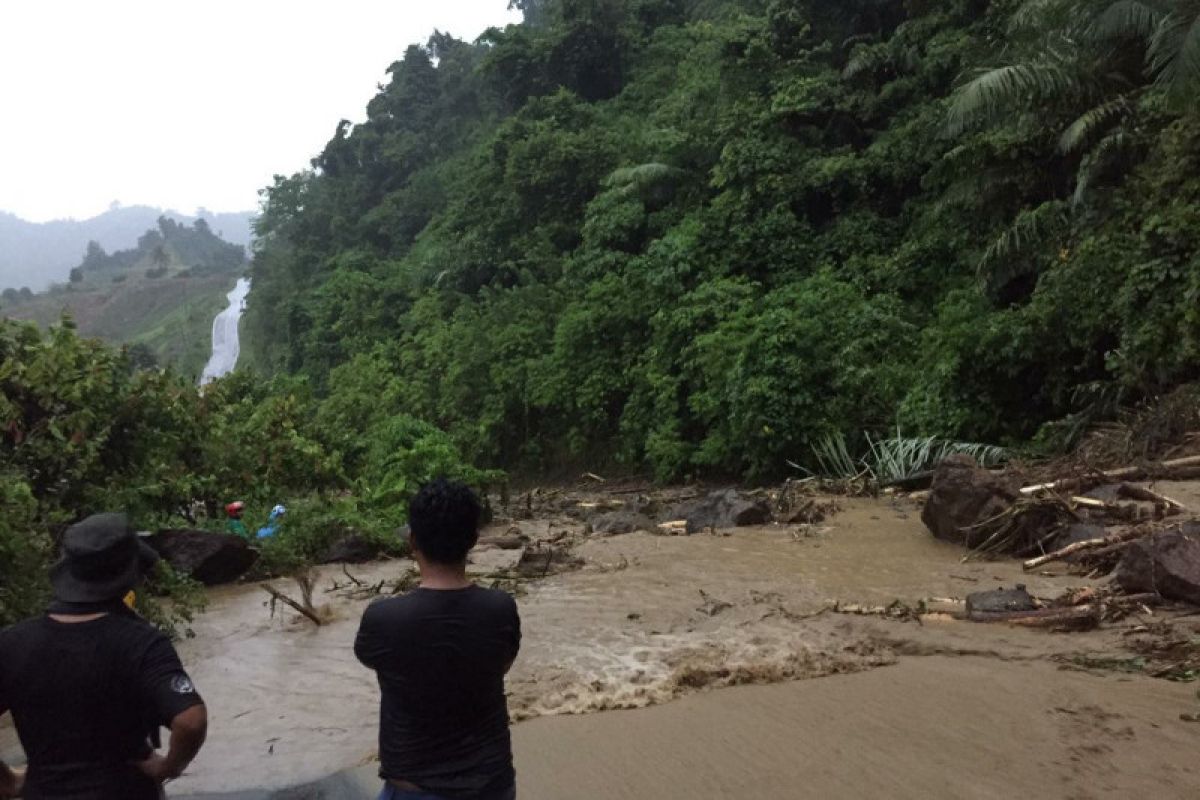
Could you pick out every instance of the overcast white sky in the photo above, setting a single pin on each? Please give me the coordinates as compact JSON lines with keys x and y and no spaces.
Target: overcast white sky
{"x":184,"y":104}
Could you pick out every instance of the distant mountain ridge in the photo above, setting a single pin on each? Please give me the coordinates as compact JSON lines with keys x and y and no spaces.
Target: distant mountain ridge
{"x":37,"y":254}
{"x":159,"y":297}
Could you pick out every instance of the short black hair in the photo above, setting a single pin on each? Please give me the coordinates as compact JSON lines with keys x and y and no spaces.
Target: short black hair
{"x":444,"y":519}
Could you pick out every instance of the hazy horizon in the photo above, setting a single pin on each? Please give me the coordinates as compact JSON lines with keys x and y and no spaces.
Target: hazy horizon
{"x":187,"y":106}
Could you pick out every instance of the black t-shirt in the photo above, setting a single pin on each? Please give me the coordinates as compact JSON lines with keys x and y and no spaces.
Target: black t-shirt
{"x":441,"y":657}
{"x":87,"y":697}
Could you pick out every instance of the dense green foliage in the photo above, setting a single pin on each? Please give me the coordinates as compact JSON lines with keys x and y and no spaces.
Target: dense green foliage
{"x":83,"y":430}
{"x":704,"y":234}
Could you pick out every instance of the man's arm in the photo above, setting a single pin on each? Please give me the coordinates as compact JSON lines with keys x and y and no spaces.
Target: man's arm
{"x":515,"y":635}
{"x":12,"y":781}
{"x":171,"y":700}
{"x":188,"y":731}
{"x":369,"y":647}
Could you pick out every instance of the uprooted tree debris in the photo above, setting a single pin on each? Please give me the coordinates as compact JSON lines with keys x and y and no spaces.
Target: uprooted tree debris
{"x":1097,"y":523}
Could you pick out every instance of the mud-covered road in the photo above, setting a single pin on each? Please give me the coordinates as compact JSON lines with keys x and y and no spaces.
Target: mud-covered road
{"x":656,"y":623}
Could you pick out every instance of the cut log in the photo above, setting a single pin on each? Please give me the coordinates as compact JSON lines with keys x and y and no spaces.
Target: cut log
{"x":1094,"y":504}
{"x":1042,"y":618}
{"x":287,"y":601}
{"x":1179,"y":467}
{"x":1132,"y":492}
{"x":1089,"y":544}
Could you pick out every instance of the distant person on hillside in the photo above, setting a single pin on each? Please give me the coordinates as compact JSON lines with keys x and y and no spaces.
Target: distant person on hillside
{"x":89,"y":683}
{"x":273,"y":522}
{"x":234,"y":524}
{"x":441,"y":653}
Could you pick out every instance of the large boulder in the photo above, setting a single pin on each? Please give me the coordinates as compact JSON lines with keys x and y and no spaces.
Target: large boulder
{"x":963,"y":497}
{"x":209,"y":557}
{"x":353,"y":548}
{"x":726,"y":508}
{"x":1167,"y":562}
{"x":614,"y":523}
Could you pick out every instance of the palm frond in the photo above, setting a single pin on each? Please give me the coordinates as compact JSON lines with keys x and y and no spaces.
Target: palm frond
{"x":996,"y":89}
{"x":1172,"y":50}
{"x":1038,"y":15}
{"x":1030,"y":227}
{"x":865,"y":59}
{"x":1126,"y":19}
{"x":1097,"y":162}
{"x":1187,"y":63}
{"x":1092,"y":122}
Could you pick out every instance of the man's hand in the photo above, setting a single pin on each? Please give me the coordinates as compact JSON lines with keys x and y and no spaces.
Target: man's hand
{"x":157,"y":768}
{"x":12,"y":781}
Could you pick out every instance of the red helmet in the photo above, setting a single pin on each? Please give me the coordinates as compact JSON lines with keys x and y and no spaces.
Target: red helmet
{"x":235,"y":508}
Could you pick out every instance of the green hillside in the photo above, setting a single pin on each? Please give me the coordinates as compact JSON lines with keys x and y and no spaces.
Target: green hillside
{"x":159,"y":297}
{"x":701,"y":235}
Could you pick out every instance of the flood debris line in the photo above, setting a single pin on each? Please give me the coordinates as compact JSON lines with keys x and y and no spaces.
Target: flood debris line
{"x":354,"y":589}
{"x":1176,"y":469}
{"x":1096,"y":524}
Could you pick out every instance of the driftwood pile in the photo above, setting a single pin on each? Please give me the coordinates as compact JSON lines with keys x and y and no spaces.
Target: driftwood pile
{"x":1097,"y":523}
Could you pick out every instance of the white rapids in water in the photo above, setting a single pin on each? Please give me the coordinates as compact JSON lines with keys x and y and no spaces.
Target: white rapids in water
{"x":225,"y":344}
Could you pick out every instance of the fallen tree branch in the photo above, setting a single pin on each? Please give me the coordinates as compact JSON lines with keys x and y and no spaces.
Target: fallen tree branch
{"x":1088,"y":544}
{"x":1112,"y":476}
{"x":277,"y":595}
{"x":1043,"y":617}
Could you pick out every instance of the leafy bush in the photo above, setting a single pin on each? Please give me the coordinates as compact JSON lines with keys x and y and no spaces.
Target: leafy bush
{"x":25,"y":550}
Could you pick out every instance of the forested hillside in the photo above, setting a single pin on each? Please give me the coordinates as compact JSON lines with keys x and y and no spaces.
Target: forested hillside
{"x":701,"y":234}
{"x":159,"y":297}
{"x":35,"y":255}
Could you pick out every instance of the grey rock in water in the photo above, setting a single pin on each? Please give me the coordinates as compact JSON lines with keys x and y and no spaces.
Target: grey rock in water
{"x":614,"y":523}
{"x":352,"y":548}
{"x":1000,"y":600}
{"x":727,"y":508}
{"x":209,"y":557}
{"x":1167,"y":563}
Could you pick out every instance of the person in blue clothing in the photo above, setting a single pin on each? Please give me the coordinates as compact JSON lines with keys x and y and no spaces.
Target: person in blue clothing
{"x":268,"y":530}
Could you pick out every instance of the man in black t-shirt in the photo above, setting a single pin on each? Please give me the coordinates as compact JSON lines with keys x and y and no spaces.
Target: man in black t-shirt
{"x":90,"y":682}
{"x":440,"y":653}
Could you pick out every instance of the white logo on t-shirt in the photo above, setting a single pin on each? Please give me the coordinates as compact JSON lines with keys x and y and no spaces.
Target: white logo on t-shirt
{"x":182,"y":684}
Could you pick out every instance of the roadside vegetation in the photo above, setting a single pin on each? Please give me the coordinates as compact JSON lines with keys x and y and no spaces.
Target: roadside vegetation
{"x":84,"y":430}
{"x":691,"y":238}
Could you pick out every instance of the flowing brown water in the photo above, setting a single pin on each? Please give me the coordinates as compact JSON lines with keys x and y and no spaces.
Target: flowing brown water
{"x":646,"y":620}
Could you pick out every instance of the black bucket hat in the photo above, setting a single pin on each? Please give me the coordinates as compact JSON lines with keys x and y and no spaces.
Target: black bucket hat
{"x":102,"y":560}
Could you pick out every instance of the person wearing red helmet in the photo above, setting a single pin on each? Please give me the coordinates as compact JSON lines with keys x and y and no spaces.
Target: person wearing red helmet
{"x":234,"y":524}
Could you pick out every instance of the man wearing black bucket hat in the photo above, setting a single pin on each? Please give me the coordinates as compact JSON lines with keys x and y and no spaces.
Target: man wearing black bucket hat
{"x":89,"y":683}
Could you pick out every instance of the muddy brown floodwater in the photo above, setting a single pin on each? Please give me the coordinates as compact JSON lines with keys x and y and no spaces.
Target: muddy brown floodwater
{"x":940,"y":709}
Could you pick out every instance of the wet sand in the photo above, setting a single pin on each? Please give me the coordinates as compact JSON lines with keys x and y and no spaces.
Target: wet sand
{"x":935,"y":727}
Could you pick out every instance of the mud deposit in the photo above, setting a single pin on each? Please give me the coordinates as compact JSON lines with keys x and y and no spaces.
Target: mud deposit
{"x":989,"y":711}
